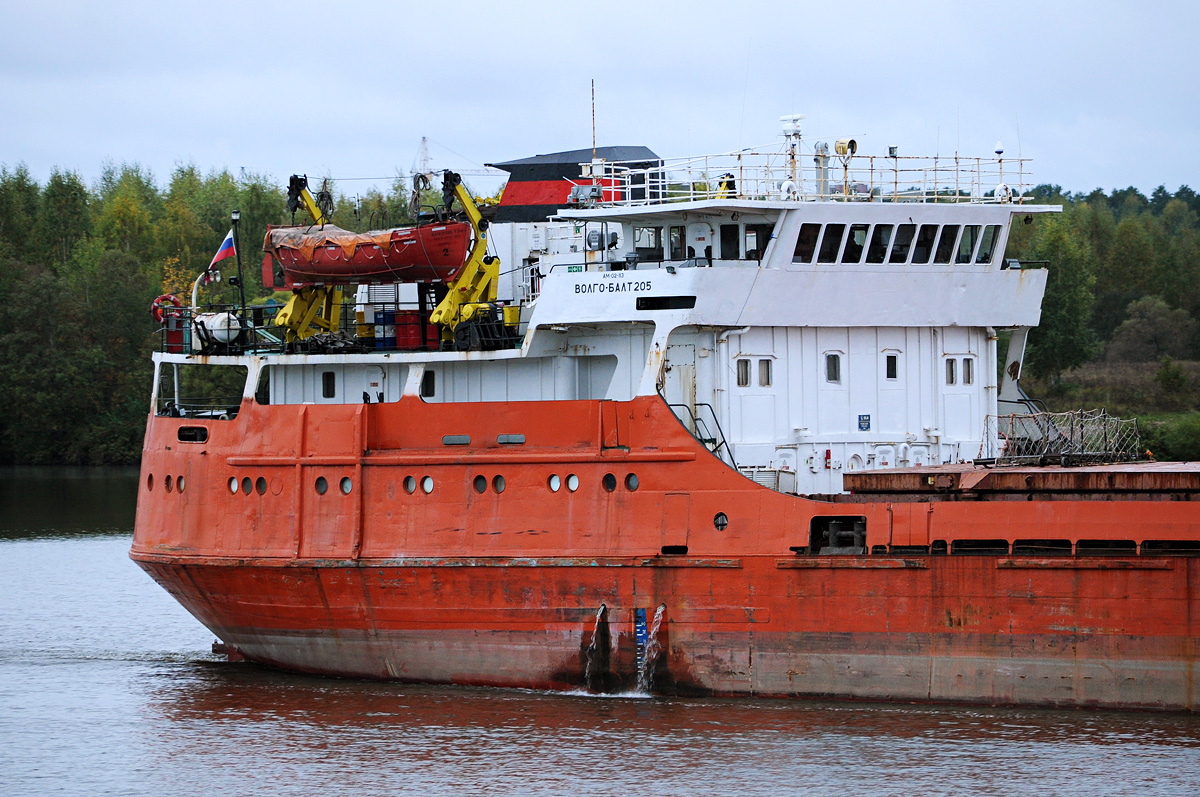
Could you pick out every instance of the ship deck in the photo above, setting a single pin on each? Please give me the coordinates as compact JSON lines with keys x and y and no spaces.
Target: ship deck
{"x":956,"y":482}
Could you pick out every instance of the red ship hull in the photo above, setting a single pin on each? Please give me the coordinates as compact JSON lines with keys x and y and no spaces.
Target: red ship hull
{"x":328,"y":255}
{"x":529,"y":587}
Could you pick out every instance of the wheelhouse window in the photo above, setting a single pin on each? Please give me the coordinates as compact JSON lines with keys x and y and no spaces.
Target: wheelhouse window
{"x":880,"y":238}
{"x":945,"y":247}
{"x":677,"y":239}
{"x":855,"y":243}
{"x":923,"y":249}
{"x":903,"y":243}
{"x":743,"y":373}
{"x":806,"y":243}
{"x":648,"y":243}
{"x":951,"y":371}
{"x":757,"y":237}
{"x":764,"y":373}
{"x":729,"y":242}
{"x":966,"y":244}
{"x":831,"y":243}
{"x":833,"y":368}
{"x":991,"y":234}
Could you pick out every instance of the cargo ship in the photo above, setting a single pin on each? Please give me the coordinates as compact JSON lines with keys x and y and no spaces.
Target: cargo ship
{"x":747,"y":424}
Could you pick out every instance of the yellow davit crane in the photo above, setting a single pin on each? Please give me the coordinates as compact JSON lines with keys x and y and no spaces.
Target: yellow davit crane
{"x":310,"y":311}
{"x":468,"y":314}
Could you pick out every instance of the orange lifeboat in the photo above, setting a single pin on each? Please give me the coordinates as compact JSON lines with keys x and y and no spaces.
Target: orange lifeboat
{"x":330,"y":255}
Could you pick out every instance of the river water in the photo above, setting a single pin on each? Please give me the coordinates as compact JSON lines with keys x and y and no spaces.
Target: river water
{"x":108,"y":687}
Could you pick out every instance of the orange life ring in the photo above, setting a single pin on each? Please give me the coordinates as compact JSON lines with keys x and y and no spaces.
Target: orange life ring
{"x":159,"y":308}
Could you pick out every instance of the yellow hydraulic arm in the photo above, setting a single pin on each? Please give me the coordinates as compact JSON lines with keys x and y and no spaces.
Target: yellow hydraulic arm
{"x":310,"y":311}
{"x":474,"y":287}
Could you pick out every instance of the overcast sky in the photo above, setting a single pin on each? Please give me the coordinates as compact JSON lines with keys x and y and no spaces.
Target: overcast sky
{"x":1099,"y":94}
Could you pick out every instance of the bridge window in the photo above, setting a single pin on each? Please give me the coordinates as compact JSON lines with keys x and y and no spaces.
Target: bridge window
{"x":757,"y":237}
{"x":648,"y":243}
{"x":729,"y":242}
{"x":806,"y":243}
{"x":856,"y":243}
{"x":831,"y":244}
{"x":880,"y":238}
{"x":966,"y":244}
{"x":991,"y":234}
{"x":903,"y":243}
{"x":945,"y":248}
{"x":924,"y":246}
{"x":677,"y":238}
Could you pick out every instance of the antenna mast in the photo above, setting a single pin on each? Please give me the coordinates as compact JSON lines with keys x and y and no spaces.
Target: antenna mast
{"x":593,"y":118}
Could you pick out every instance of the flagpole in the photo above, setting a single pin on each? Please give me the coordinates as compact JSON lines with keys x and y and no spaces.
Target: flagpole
{"x":235,"y":216}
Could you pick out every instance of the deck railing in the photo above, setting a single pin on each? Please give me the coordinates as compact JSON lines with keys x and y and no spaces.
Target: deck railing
{"x":790,"y":174}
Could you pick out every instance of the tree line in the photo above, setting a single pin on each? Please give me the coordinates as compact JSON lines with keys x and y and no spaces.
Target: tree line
{"x":80,"y":265}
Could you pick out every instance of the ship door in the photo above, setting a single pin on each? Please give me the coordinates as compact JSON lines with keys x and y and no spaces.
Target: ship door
{"x":700,"y":242}
{"x":679,"y":382}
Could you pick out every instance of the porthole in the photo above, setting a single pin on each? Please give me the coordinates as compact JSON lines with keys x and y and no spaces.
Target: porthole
{"x":179,"y":483}
{"x":631,"y":482}
{"x":427,"y":484}
{"x":480,"y":483}
{"x":610,"y":482}
{"x":321,"y":485}
{"x":247,"y":486}
{"x":346,"y":484}
{"x":554,"y":483}
{"x":498,"y":483}
{"x":260,"y":485}
{"x":572,"y":482}
{"x":149,"y":481}
{"x":410,"y":485}
{"x":233,"y":485}
{"x":720,"y":521}
{"x":167,"y":483}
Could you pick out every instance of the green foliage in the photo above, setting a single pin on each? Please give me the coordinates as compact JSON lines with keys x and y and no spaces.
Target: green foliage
{"x":1170,"y":376}
{"x":1062,"y":340}
{"x":1176,"y":438}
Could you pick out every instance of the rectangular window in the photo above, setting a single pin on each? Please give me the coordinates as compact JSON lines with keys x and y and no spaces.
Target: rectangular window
{"x":903,"y":242}
{"x":729,"y":242}
{"x":950,"y":371}
{"x":924,"y":247}
{"x":428,"y":384}
{"x":966,"y":244}
{"x":855,"y":244}
{"x":833,"y":368}
{"x":880,"y":238}
{"x":328,"y":384}
{"x":893,"y":366}
{"x":831,"y":243}
{"x":743,"y":373}
{"x":647,"y":243}
{"x":757,"y":238}
{"x":991,"y":234}
{"x":945,"y":248}
{"x":806,"y":244}
{"x":968,"y":370}
{"x":764,"y":373}
{"x":677,"y":238}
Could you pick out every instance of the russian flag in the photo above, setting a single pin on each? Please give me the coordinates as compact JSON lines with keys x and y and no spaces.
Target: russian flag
{"x":225,"y":251}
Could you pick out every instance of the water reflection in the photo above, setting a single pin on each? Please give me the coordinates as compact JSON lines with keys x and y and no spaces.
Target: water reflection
{"x":66,"y":502}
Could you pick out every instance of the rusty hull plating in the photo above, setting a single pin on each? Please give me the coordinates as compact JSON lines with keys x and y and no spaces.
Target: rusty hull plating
{"x":403,"y":568}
